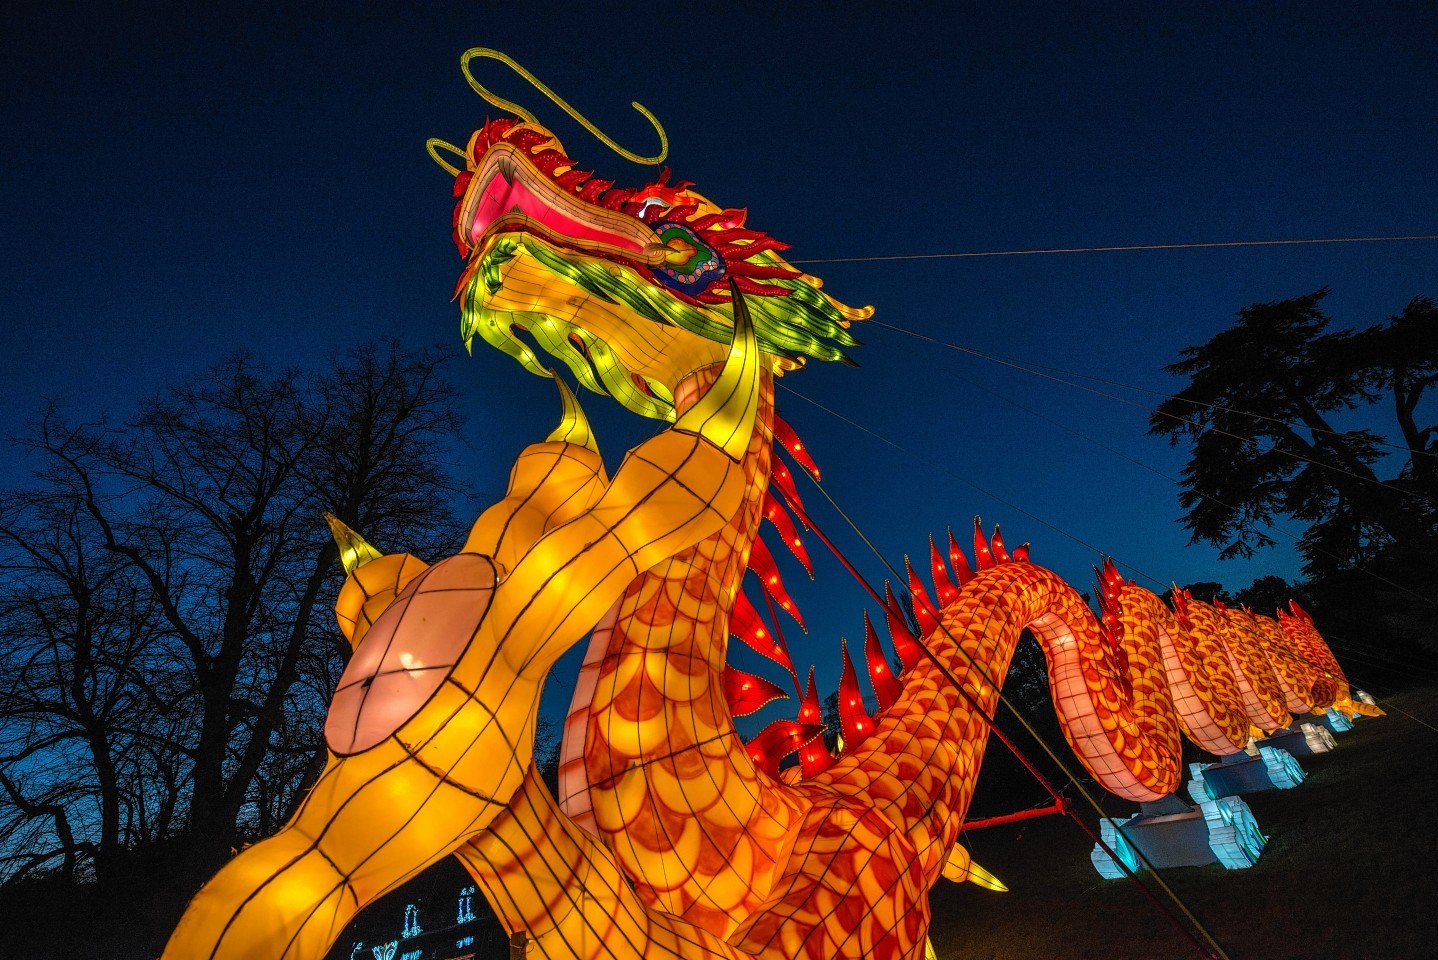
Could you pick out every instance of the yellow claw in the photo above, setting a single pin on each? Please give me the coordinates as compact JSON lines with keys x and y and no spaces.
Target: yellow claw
{"x":725,"y":414}
{"x":960,"y":866}
{"x":355,"y":551}
{"x":573,"y":424}
{"x":983,"y":878}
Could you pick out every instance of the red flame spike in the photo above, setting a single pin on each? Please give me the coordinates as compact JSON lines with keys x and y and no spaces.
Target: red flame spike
{"x":960,"y":563}
{"x":794,"y":446}
{"x":748,"y":693}
{"x":746,"y":624}
{"x":761,"y":562}
{"x":809,"y":709}
{"x":854,"y":717}
{"x":905,"y":643}
{"x":925,"y":612}
{"x":746,"y":285}
{"x":761,"y":271}
{"x":615,"y":199}
{"x":1021,"y":553}
{"x":775,"y":513}
{"x":526,"y":138}
{"x":551,"y":161}
{"x":881,"y":674}
{"x":593,"y":189}
{"x":943,"y":586}
{"x":743,"y":251}
{"x":728,"y":235}
{"x":983,"y":557}
{"x":814,"y":757}
{"x":781,"y":478}
{"x":776,"y":741}
{"x":1000,"y":554}
{"x":1180,"y":607}
{"x":572,"y":178}
{"x":1111,"y":571}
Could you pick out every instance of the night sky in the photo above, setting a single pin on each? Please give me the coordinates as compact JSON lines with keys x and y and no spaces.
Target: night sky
{"x":180,"y":182}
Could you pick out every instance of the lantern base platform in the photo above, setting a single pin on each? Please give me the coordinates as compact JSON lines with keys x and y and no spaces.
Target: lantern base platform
{"x":1302,"y":739}
{"x":1241,"y":773}
{"x":1170,"y":833}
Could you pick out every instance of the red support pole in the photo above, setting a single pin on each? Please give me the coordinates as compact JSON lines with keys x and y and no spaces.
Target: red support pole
{"x":1060,"y":807}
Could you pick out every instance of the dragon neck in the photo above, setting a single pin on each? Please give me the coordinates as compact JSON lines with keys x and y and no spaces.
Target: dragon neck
{"x":652,"y":763}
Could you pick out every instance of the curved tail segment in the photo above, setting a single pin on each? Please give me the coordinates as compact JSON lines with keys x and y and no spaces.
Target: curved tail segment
{"x":1127,"y":683}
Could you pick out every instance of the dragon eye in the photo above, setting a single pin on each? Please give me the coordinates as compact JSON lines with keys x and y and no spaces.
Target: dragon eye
{"x":691,"y":265}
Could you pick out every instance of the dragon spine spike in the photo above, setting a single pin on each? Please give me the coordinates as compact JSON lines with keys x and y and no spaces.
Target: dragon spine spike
{"x":924,"y":609}
{"x":747,"y":693}
{"x":854,"y":718}
{"x":783,"y":480}
{"x":1001,"y":555}
{"x":809,"y":709}
{"x":761,"y":562}
{"x":746,"y":624}
{"x":1110,"y":569}
{"x":887,"y":688}
{"x":775,"y":513}
{"x":726,"y":413}
{"x":792,"y":445}
{"x":943,"y":586}
{"x":777,"y":740}
{"x":906,"y":644}
{"x":1021,"y":552}
{"x":983,"y":557}
{"x":573,"y":424}
{"x":814,"y":757}
{"x":355,"y":551}
{"x":960,"y":562}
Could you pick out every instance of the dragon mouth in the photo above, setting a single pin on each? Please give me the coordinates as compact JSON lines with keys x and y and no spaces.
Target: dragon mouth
{"x":628,"y":288}
{"x":508,"y":195}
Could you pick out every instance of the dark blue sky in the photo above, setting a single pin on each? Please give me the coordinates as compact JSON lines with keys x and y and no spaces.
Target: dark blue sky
{"x":183,"y":180}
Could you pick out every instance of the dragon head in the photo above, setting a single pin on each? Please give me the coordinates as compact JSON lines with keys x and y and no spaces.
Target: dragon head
{"x":629,"y":288}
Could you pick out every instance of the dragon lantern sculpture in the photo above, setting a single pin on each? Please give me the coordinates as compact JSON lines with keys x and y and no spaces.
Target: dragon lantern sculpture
{"x":673,"y":837}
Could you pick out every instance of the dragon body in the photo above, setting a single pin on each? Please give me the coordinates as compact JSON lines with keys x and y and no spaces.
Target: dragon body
{"x":672,"y":836}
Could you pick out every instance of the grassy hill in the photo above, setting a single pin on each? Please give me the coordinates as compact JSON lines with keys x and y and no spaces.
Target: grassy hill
{"x":1350,"y":870}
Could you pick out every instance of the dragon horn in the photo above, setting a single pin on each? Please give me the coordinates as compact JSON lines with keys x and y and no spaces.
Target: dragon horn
{"x":573,"y":424}
{"x":725,"y":414}
{"x":355,"y":551}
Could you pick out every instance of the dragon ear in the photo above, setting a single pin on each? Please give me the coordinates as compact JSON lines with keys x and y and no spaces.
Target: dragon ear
{"x":355,"y":551}
{"x":573,"y":424}
{"x":725,"y":414}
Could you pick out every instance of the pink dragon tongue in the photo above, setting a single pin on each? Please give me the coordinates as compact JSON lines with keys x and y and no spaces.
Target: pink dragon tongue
{"x":409,"y":652}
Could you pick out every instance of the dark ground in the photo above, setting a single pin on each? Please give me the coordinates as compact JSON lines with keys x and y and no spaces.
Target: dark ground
{"x":1348,"y":872}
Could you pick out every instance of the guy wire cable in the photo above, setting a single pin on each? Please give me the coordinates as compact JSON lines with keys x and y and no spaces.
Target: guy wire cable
{"x":1193,"y":423}
{"x":1159,"y":473}
{"x":1163,"y":585}
{"x":1031,"y":367}
{"x":1295,"y":538}
{"x":1117,"y":249}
